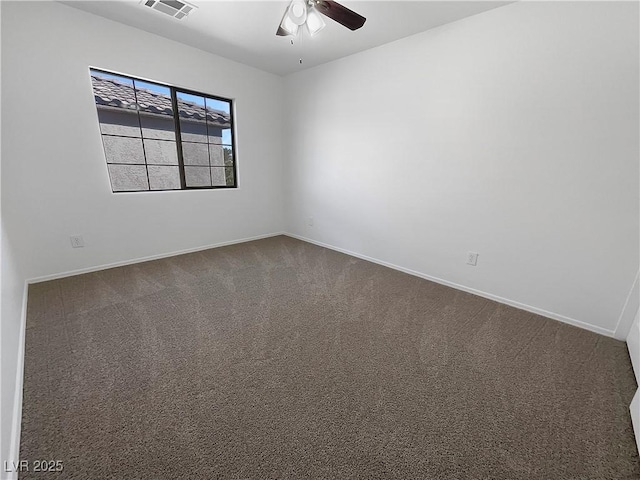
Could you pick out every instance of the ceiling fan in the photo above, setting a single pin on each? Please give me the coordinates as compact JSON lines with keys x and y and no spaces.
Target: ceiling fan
{"x":301,"y":12}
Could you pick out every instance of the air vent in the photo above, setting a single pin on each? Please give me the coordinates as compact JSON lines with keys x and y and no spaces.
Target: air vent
{"x":175,"y":8}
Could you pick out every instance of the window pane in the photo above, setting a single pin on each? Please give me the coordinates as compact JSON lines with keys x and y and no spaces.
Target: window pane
{"x":128,"y":177}
{"x":160,"y":151}
{"x":220,"y":105}
{"x":197,"y":176}
{"x":195,"y":154}
{"x":218,"y":120}
{"x":193,"y":126}
{"x":119,"y":122}
{"x":216,"y":155}
{"x":123,"y":149}
{"x":164,"y":178}
{"x":158,"y":126}
{"x":116,"y":102}
{"x":230,"y":176}
{"x":228,"y":155}
{"x":218,"y":177}
{"x":156,"y":110}
{"x":226,"y":136}
{"x":215,"y":134}
{"x":221,"y":176}
{"x":161,"y":128}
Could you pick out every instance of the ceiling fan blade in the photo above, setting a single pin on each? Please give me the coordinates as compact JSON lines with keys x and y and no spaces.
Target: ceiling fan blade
{"x":340,"y":14}
{"x":281,"y":32}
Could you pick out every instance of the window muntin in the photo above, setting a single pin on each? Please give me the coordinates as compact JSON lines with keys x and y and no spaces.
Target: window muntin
{"x":147,"y":148}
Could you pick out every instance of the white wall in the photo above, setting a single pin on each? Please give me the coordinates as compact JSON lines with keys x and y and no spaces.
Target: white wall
{"x":512,"y":133}
{"x":59,"y":183}
{"x":54,"y":177}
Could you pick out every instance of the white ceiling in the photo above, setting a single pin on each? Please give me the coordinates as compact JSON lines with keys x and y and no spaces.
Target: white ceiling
{"x":244,"y":31}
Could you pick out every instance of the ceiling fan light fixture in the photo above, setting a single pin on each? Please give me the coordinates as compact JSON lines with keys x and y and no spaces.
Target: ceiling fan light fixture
{"x":298,"y":12}
{"x":288,"y":25}
{"x":315,"y":23}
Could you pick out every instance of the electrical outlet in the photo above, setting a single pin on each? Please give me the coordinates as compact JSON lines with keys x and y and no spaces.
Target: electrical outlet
{"x":310,"y":221}
{"x":76,"y":241}
{"x":472,"y":258}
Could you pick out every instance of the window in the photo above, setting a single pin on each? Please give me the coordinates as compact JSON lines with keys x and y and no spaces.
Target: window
{"x":158,"y":137}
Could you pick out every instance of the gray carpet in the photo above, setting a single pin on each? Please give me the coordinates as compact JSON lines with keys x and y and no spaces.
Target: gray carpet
{"x":281,"y":359}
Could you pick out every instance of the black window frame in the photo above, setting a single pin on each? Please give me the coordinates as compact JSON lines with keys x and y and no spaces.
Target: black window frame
{"x":176,"y":117}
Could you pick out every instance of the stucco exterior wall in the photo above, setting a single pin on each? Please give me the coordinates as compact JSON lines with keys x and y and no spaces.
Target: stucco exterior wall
{"x":128,"y":142}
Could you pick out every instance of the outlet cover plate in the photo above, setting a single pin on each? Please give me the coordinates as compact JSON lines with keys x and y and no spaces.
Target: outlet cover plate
{"x":77,"y":241}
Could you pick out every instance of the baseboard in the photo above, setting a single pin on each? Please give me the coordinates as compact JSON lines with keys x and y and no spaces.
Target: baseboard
{"x":16,"y":421}
{"x":464,"y":288}
{"x":133,"y":261}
